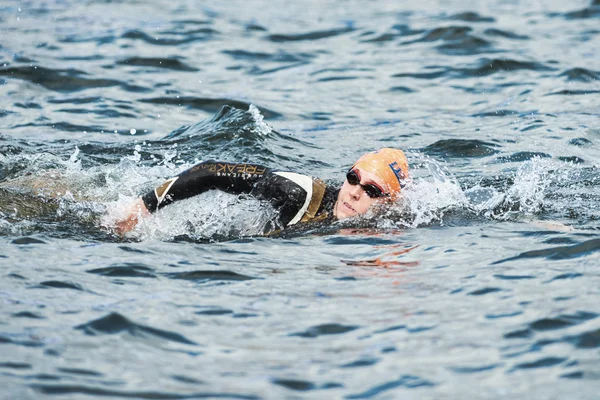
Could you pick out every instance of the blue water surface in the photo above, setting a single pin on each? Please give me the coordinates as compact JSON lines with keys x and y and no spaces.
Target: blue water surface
{"x":483,"y":283}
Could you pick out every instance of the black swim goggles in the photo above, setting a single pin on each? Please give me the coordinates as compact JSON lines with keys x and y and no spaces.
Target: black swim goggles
{"x":372,"y":190}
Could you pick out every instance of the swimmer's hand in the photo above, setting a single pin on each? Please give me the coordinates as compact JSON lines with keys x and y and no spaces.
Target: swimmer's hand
{"x":136,"y":211}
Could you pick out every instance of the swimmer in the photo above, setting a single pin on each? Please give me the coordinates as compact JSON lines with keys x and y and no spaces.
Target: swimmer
{"x":376,"y":178}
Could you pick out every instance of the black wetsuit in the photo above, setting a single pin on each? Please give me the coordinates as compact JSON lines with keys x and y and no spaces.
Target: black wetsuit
{"x":298,"y":198}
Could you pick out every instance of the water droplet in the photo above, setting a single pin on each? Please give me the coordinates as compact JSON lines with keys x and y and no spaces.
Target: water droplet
{"x":132,"y":131}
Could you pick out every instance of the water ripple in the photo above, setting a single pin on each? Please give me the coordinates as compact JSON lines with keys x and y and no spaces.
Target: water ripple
{"x":60,"y":285}
{"x":461,"y":148}
{"x":484,"y":67}
{"x":559,"y":252}
{"x":15,"y":365}
{"x":303,"y":386}
{"x":494,"y":32}
{"x":206,"y":104}
{"x":484,"y":291}
{"x":593,"y":11}
{"x":101,"y":392}
{"x":524,"y":155}
{"x":562,"y":321}
{"x":581,"y":75}
{"x":541,"y":363}
{"x":407,"y":381}
{"x":325,"y":329}
{"x":173,"y":63}
{"x":363,"y":362}
{"x":138,"y":34}
{"x":26,"y":240}
{"x":588,"y":340}
{"x":116,"y":323}
{"x":125,"y":270}
{"x":64,"y":80}
{"x":314,"y":35}
{"x":572,"y":92}
{"x":457,"y":40}
{"x":280,"y":56}
{"x":27,"y":314}
{"x":79,"y":371}
{"x":473,"y":369}
{"x":204,"y":276}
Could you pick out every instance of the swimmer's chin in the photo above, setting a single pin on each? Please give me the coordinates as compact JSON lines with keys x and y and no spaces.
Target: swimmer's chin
{"x":378,"y":215}
{"x":343,"y":211}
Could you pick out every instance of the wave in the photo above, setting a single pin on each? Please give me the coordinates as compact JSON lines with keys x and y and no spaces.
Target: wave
{"x":175,"y":39}
{"x":207,"y":104}
{"x":314,"y":35}
{"x":114,"y":323}
{"x":64,"y":80}
{"x":172,"y":63}
{"x":87,"y":189}
{"x":461,"y":148}
{"x":581,"y":75}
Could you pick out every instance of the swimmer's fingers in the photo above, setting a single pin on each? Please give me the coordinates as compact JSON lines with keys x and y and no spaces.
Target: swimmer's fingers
{"x":136,"y":212}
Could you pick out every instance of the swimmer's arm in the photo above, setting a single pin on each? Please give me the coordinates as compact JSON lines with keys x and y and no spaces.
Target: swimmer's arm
{"x":228,"y":177}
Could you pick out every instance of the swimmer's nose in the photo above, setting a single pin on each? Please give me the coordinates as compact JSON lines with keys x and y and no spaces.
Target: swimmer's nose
{"x":356,"y":192}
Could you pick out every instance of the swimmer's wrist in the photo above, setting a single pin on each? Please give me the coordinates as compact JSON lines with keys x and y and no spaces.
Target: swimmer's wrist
{"x":141,"y":208}
{"x":149,"y":202}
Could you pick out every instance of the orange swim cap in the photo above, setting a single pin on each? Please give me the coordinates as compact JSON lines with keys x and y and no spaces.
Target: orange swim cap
{"x":390,"y":165}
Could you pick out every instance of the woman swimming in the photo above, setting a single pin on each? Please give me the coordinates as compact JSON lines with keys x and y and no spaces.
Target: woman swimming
{"x":377,"y":177}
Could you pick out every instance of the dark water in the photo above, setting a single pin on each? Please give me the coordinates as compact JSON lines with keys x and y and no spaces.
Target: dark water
{"x":483,"y":283}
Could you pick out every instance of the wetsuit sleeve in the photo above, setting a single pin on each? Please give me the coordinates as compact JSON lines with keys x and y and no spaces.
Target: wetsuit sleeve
{"x":297,"y":197}
{"x":228,"y":177}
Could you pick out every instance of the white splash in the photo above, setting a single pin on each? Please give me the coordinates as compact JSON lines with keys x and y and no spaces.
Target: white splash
{"x":432,"y":191}
{"x":262,"y":128}
{"x":531,"y":181}
{"x":525,"y":197}
{"x":210,"y":215}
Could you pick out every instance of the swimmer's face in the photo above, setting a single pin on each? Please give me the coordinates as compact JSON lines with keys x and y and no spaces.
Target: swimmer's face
{"x":353,"y":200}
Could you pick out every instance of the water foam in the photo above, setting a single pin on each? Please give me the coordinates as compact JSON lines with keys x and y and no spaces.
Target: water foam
{"x":261,"y":128}
{"x":210,"y":216}
{"x":435,"y":193}
{"x":432,"y":192}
